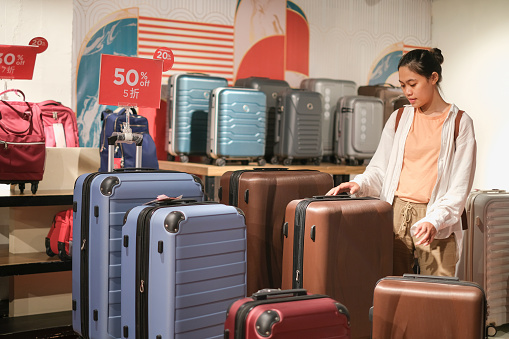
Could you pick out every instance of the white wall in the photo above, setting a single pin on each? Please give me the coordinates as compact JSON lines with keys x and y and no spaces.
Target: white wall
{"x":22,"y":20}
{"x":473,"y":36}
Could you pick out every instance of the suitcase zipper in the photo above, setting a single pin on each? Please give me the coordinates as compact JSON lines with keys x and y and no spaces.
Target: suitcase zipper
{"x":298,"y":242}
{"x":7,"y":143}
{"x":233,"y":195}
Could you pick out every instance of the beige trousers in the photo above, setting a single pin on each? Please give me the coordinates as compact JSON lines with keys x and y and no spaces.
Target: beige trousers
{"x":438,"y":258}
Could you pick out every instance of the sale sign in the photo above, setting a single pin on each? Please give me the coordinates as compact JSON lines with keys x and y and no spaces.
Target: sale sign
{"x":17,"y":62}
{"x":130,"y":81}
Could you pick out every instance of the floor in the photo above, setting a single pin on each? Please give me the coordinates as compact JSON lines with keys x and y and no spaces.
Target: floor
{"x":502,"y":331}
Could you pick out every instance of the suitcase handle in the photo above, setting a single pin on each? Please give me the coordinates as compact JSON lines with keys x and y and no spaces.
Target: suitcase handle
{"x":274,"y":169}
{"x":266,"y":293}
{"x":341,"y":196}
{"x":429,"y":277}
{"x":172,"y":202}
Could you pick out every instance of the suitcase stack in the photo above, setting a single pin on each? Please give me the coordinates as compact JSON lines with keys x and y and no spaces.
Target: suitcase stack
{"x":485,"y":257}
{"x":287,"y":314}
{"x":183,"y":264}
{"x":392,"y":97}
{"x":263,"y":195}
{"x":340,"y":247}
{"x":271,"y":88}
{"x":359,"y":125}
{"x":331,"y":90}
{"x":236,"y":125}
{"x":423,"y":307}
{"x":100,"y":202}
{"x":188,"y":113}
{"x":298,"y":130}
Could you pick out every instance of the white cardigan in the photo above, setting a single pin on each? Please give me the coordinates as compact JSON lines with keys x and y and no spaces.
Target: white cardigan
{"x":455,"y":175}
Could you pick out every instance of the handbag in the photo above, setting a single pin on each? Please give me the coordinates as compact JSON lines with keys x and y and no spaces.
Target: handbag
{"x":22,"y":142}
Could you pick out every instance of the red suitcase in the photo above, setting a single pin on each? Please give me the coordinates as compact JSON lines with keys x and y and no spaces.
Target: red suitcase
{"x":60,"y":235}
{"x":339,"y":246}
{"x":289,"y":314}
{"x":424,"y":307}
{"x":262,"y":194}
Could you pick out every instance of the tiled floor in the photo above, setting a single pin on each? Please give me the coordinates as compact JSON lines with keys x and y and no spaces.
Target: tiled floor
{"x":502,"y":331}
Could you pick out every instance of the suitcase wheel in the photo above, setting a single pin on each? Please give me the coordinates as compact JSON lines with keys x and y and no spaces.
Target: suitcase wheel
{"x":287,"y":161}
{"x":317,"y":161}
{"x":184,"y":158}
{"x":261,"y":162}
{"x":21,"y":187}
{"x":274,"y":160}
{"x":34,"y":187}
{"x":220,"y":162}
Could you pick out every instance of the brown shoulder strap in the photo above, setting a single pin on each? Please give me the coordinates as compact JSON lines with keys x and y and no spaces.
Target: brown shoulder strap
{"x":398,"y":118}
{"x":457,"y":124}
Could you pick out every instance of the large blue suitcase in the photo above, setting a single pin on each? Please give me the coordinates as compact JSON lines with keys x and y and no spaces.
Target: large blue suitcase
{"x":183,"y":264}
{"x":188,"y":113}
{"x":101,"y":200}
{"x":237,"y":124}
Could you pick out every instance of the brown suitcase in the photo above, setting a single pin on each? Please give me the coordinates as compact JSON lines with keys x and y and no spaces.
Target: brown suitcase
{"x":392,"y":97}
{"x":263,"y":195}
{"x":424,"y":307}
{"x":339,"y":246}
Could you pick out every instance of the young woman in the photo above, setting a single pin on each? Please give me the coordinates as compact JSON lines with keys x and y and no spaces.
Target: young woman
{"x":422,"y":169}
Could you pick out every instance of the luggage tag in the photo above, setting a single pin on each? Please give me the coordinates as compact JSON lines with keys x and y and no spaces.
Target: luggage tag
{"x":163,"y":198}
{"x":58,"y":131}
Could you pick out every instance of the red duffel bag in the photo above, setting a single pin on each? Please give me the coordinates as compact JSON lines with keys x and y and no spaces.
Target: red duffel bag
{"x":22,"y":143}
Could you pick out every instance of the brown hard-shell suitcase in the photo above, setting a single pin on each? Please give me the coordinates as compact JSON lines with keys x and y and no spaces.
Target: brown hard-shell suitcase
{"x":423,"y":307}
{"x":391,"y":95}
{"x":339,"y":246}
{"x":287,"y":314}
{"x":262,"y":194}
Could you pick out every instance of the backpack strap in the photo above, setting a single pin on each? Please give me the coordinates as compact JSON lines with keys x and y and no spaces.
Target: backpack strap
{"x":398,"y":118}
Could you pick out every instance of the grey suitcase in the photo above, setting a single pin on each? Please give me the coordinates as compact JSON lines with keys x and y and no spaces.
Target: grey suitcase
{"x":183,"y":264}
{"x":298,"y":128}
{"x":236,"y":125}
{"x":392,"y":97}
{"x":188,"y":110}
{"x":358,"y":128}
{"x":272,"y":88}
{"x":331,"y":90}
{"x":485,"y":255}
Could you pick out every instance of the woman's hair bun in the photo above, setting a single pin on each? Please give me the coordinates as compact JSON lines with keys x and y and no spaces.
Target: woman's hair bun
{"x":437,"y":54}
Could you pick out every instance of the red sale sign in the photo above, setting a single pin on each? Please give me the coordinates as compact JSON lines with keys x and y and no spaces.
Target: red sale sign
{"x":130,"y":81}
{"x":17,"y":62}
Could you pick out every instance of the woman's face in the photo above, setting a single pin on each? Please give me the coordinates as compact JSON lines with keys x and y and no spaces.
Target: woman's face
{"x":418,"y":90}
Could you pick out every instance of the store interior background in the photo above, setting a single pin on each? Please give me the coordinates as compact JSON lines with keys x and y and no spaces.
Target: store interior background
{"x":472,"y":35}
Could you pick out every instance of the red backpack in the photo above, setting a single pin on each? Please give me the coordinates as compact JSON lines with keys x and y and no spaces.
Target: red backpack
{"x":60,"y":235}
{"x":60,"y":125}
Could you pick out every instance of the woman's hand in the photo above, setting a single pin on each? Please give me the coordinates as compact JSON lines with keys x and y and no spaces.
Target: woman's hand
{"x":350,"y":186}
{"x":426,"y":232}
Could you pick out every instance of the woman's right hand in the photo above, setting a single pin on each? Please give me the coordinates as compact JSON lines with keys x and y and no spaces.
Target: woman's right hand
{"x":350,"y":187}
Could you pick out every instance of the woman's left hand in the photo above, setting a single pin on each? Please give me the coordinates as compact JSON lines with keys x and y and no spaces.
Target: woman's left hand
{"x":426,"y":232}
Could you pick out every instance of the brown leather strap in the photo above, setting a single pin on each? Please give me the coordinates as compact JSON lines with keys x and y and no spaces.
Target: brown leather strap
{"x":398,"y":118}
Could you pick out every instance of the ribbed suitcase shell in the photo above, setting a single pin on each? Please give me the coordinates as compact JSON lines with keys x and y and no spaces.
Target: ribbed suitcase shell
{"x":298,"y":130}
{"x":424,"y":307}
{"x":263,"y":195}
{"x":340,"y":247}
{"x":287,"y":314}
{"x":485,"y":258}
{"x":100,"y":202}
{"x":188,"y":112}
{"x":271,"y":88}
{"x":237,"y":123}
{"x":195,"y":261}
{"x":331,"y":90}
{"x":359,"y":125}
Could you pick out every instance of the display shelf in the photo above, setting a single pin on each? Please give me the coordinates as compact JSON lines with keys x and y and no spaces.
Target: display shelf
{"x":41,"y":198}
{"x":47,"y":325}
{"x":29,"y":263}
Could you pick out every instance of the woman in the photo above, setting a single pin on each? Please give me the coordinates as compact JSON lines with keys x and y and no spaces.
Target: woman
{"x":423,"y":169}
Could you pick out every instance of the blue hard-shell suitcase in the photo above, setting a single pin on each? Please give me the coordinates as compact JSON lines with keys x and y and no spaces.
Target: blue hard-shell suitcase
{"x":237,"y":124}
{"x":183,"y":264}
{"x":101,"y":200}
{"x":188,"y":113}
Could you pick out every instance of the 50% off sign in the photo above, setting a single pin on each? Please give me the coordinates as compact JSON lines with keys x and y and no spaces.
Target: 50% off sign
{"x":130,"y":81}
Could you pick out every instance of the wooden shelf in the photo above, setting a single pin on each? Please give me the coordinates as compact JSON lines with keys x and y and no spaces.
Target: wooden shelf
{"x":41,"y":198}
{"x":29,"y":263}
{"x":47,"y":325}
{"x":216,"y":171}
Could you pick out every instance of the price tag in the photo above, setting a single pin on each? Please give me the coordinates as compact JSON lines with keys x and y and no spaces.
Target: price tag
{"x":17,"y":62}
{"x":40,"y":43}
{"x":166,"y":55}
{"x":130,"y":81}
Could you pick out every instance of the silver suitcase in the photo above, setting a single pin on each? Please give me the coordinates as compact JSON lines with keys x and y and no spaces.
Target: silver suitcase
{"x":358,"y":128}
{"x":331,"y":90}
{"x":485,"y":257}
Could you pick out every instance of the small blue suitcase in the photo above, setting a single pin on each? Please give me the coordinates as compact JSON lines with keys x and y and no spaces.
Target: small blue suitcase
{"x":101,"y":200}
{"x":183,"y":264}
{"x":237,"y":124}
{"x":188,"y":107}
